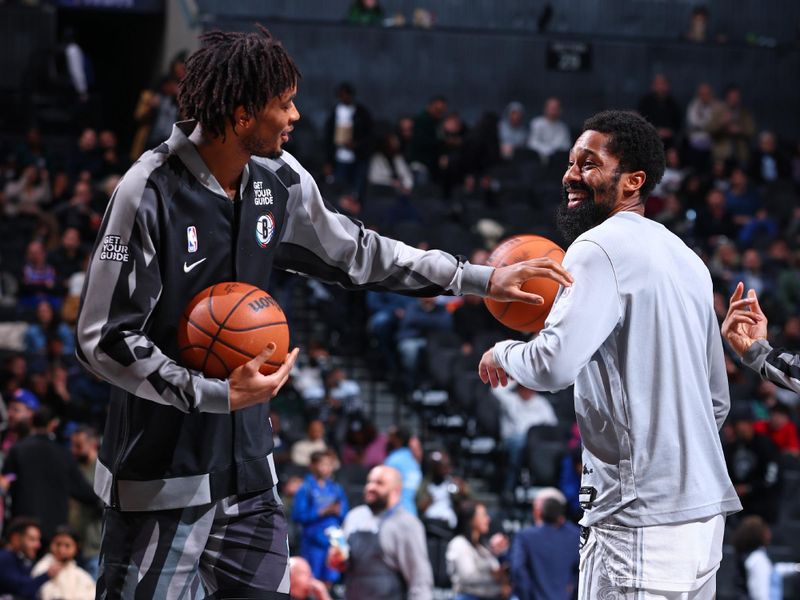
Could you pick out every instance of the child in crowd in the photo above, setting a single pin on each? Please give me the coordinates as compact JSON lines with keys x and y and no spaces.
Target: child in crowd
{"x":72,"y":583}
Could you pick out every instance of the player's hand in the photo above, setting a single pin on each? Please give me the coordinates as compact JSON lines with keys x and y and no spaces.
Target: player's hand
{"x":490,"y":371}
{"x":745,"y":322}
{"x":337,"y":560}
{"x":319,"y":591}
{"x":248,"y":386}
{"x":505,"y":284}
{"x":55,"y":569}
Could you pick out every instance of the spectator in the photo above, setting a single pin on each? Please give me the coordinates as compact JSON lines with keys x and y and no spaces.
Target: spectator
{"x":762,"y":579}
{"x":33,"y":151}
{"x":389,"y":168}
{"x":86,"y":162}
{"x":698,"y":118}
{"x":388,"y":556}
{"x":16,"y":560}
{"x":752,"y":274}
{"x":521,"y":409}
{"x":660,"y":108}
{"x":741,"y":201}
{"x":363,"y":444}
{"x":155,"y":113}
{"x":386,"y":311}
{"x":72,"y":582}
{"x":451,"y":159}
{"x":405,"y":133}
{"x":474,"y":570}
{"x":365,"y":12}
{"x":348,"y":139}
{"x":420,"y":319}
{"x":68,"y":258}
{"x":440,"y":492}
{"x":672,"y":181}
{"x":780,"y":429}
{"x":38,"y":278}
{"x":304,"y":586}
{"x":768,"y":164}
{"x":47,"y":329}
{"x":480,"y":151}
{"x":732,"y":128}
{"x":544,"y":556}
{"x":512,"y":130}
{"x":401,"y":458}
{"x":549,"y":134}
{"x":30,"y":193}
{"x":21,"y":407}
{"x":342,"y":400}
{"x":46,"y":476}
{"x":714,"y":220}
{"x":111,"y":161}
{"x":698,"y":25}
{"x":753,"y":464}
{"x":673,"y":216}
{"x":79,"y":212}
{"x":426,"y":143}
{"x":302,"y":450}
{"x":86,"y":519}
{"x":320,"y":503}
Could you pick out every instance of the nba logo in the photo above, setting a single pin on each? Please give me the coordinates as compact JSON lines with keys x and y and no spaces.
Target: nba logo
{"x":191,"y":238}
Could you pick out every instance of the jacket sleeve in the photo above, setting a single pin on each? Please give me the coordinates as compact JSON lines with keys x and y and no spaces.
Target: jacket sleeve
{"x":582,"y":318}
{"x":718,"y":378}
{"x":780,"y":366}
{"x":520,"y":578}
{"x":122,"y":287}
{"x":320,"y":242}
{"x":303,"y":510}
{"x":15,"y":581}
{"x":413,"y":562}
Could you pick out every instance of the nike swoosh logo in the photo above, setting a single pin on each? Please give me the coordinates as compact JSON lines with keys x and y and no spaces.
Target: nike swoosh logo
{"x":187,"y":268}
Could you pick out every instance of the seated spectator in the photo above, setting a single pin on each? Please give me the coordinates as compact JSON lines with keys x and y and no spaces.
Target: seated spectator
{"x":752,"y":274}
{"x":512,"y":130}
{"x":673,"y":216}
{"x":389,"y":168}
{"x":521,"y":409}
{"x":759,"y":231}
{"x":32,"y":151}
{"x":762,"y":579}
{"x":72,"y":582}
{"x":39,"y":281}
{"x":474,"y":569}
{"x":365,"y":12}
{"x":440,"y":492}
{"x":732,"y":128}
{"x":753,"y":465}
{"x":768,"y":164}
{"x":548,"y":133}
{"x":79,"y":211}
{"x":404,"y":129}
{"x":30,"y":193}
{"x":319,"y":503}
{"x":155,"y":113}
{"x":111,"y":162}
{"x":426,"y":144}
{"x":86,"y":161}
{"x":16,"y":560}
{"x":302,"y":450}
{"x":741,"y":202}
{"x":420,"y":318}
{"x":714,"y":220}
{"x":481,"y":150}
{"x":660,"y":108}
{"x":342,"y":399}
{"x":544,"y":556}
{"x":672,"y":181}
{"x":363,"y":444}
{"x":386,"y":310}
{"x":48,"y":327}
{"x":780,"y":429}
{"x":304,"y":586}
{"x":46,"y":476}
{"x":402,"y":458}
{"x":22,"y":404}
{"x":698,"y":118}
{"x":69,"y":257}
{"x":451,"y":158}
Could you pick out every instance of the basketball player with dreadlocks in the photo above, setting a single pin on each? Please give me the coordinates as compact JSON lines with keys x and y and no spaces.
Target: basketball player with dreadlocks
{"x":186,"y":468}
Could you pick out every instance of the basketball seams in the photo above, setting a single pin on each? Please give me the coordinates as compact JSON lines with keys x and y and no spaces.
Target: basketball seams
{"x":254,"y":327}
{"x":222,"y":325}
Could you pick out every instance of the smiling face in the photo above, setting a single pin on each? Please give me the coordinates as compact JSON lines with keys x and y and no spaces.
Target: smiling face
{"x":591,"y":187}
{"x":264,"y":133}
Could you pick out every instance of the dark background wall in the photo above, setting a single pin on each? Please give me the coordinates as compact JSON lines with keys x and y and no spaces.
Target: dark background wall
{"x":395,"y":70}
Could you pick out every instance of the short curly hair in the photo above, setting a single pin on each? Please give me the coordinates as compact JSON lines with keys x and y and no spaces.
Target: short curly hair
{"x":234,"y":69}
{"x":635,"y":142}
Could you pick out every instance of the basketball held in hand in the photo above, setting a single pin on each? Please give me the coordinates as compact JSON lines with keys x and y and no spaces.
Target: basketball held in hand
{"x":228,"y":324}
{"x":527,"y":318}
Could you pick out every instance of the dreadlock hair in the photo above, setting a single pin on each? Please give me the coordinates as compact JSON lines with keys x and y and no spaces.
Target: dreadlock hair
{"x":635,"y":142}
{"x":233,"y":69}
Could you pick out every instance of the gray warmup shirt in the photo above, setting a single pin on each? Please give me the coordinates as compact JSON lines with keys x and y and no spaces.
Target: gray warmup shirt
{"x":638,"y":336}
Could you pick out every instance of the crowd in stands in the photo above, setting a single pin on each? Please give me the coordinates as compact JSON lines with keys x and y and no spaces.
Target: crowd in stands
{"x":730,"y":191}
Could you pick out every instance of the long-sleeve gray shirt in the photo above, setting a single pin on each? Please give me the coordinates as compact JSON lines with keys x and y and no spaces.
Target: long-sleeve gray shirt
{"x":638,"y":336}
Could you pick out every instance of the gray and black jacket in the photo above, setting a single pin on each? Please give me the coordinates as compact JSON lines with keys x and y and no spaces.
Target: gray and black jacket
{"x":169,"y":232}
{"x":778,"y":365}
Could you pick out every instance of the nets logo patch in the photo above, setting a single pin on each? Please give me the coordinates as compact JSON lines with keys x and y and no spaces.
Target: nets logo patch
{"x":114,"y":249}
{"x":265,"y":229}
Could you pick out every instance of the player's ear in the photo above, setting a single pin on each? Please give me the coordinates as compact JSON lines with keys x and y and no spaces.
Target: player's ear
{"x":242,"y":119}
{"x":633,"y":182}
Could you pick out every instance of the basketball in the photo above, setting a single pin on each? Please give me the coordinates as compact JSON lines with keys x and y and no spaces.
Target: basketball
{"x":527,"y":318}
{"x":226,"y":325}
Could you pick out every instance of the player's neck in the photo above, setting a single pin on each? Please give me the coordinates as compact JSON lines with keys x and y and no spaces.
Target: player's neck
{"x":225,"y":159}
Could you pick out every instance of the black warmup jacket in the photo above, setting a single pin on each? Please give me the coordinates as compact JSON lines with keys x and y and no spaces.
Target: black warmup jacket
{"x":169,"y":232}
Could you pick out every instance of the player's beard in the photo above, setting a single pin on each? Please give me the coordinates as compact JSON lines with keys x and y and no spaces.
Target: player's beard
{"x":258,"y":146}
{"x":594,"y":209}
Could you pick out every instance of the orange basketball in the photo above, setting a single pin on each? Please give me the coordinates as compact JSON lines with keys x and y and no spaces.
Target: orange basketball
{"x":226,"y":325}
{"x":527,"y":318}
